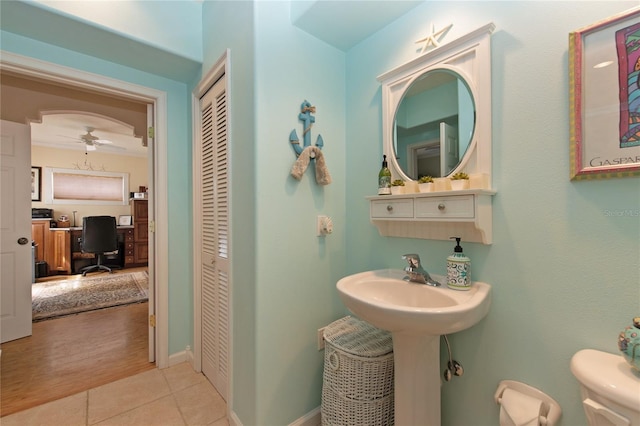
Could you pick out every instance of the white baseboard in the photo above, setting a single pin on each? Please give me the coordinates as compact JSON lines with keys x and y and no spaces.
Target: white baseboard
{"x":234,"y":420}
{"x":312,"y":418}
{"x":182,"y":356}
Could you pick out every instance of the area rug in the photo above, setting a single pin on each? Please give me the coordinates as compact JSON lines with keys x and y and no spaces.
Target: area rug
{"x":59,"y":298}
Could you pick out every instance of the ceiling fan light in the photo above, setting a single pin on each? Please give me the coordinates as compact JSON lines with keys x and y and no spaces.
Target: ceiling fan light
{"x":91,"y":147}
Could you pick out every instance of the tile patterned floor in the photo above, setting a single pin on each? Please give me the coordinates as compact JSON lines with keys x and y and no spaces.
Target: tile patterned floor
{"x":175,"y":396}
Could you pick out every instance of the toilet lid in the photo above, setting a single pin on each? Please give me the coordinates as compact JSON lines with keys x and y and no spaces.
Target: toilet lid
{"x":608,"y":375}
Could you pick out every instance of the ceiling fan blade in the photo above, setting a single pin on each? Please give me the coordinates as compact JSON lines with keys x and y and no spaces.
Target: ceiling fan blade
{"x":110,"y":148}
{"x":71,"y":137}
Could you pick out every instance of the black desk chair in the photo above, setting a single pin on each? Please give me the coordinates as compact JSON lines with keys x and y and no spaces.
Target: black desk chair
{"x":99,"y":236}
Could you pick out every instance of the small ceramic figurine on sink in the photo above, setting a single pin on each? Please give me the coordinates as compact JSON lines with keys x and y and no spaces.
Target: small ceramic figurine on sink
{"x":629,"y":343}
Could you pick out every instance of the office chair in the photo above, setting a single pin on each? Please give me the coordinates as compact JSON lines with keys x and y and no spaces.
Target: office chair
{"x":99,"y":236}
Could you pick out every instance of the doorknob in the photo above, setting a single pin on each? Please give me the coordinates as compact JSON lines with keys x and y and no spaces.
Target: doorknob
{"x":22,"y":241}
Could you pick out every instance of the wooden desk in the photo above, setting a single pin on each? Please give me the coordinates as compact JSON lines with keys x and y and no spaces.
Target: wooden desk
{"x":60,"y":247}
{"x":124,"y":258}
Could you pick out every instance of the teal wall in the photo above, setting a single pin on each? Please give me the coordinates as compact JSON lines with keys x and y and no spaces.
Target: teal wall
{"x":296,"y":269}
{"x":565,"y":271}
{"x":174,"y":26}
{"x":178,"y":169}
{"x":220,"y":32}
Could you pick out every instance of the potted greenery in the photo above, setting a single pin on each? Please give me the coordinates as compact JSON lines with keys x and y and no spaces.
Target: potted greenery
{"x":397,"y":187}
{"x":425,"y":184}
{"x":460,"y":181}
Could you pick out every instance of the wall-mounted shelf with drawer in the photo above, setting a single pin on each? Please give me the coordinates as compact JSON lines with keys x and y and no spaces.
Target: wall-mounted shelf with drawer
{"x":435,"y":215}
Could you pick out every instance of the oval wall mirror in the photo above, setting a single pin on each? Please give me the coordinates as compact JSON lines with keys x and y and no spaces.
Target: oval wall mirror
{"x":434,"y":124}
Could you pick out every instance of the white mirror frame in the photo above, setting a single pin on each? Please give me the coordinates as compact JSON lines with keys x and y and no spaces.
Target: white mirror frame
{"x":470,"y":57}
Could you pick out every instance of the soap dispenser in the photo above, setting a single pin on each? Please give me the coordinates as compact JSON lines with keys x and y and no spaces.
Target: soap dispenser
{"x":458,"y":269}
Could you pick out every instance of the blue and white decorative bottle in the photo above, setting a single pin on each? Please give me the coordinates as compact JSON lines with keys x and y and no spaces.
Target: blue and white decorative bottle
{"x":458,"y":269}
{"x":629,"y":343}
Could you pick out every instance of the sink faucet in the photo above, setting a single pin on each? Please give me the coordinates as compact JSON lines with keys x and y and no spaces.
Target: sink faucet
{"x":417,"y":273}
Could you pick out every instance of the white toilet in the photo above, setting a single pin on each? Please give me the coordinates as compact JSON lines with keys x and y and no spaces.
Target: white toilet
{"x":610,"y":388}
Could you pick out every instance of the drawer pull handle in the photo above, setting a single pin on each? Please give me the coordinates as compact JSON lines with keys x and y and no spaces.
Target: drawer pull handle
{"x":389,"y":208}
{"x":441,"y":206}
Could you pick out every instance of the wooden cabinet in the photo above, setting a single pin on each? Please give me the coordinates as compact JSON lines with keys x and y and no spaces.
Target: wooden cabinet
{"x":140,"y":211}
{"x":141,"y":253}
{"x":60,"y":252}
{"x":39,"y":231}
{"x":53,"y":246}
{"x":129,"y":258}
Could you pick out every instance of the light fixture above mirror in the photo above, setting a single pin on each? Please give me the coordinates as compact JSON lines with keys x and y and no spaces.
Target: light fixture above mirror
{"x":436,"y":110}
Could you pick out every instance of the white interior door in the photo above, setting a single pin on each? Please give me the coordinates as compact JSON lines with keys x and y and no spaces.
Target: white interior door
{"x":214,"y":236}
{"x":15,"y":223}
{"x":449,"y":158}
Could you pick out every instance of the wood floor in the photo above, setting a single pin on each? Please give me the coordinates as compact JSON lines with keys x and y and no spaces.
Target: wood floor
{"x":72,"y":354}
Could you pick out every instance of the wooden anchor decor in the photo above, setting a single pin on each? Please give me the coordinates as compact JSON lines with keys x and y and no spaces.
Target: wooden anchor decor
{"x":306,"y":152}
{"x":306,"y":109}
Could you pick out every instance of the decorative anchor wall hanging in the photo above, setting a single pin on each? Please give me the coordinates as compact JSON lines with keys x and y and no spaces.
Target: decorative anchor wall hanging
{"x":306,"y":153}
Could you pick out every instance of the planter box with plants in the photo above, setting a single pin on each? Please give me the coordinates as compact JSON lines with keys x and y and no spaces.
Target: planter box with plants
{"x":397,"y":187}
{"x":459,"y":181}
{"x":425,"y":184}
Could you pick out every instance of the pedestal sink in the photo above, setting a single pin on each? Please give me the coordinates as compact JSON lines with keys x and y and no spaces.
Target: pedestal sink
{"x":416,"y":315}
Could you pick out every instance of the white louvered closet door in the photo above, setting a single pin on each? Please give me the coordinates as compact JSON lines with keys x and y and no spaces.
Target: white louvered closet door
{"x":215,"y":237}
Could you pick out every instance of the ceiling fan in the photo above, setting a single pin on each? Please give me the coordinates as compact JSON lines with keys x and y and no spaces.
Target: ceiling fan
{"x":92,"y":142}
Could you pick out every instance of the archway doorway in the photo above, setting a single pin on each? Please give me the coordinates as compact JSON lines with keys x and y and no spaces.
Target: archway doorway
{"x":43,"y":73}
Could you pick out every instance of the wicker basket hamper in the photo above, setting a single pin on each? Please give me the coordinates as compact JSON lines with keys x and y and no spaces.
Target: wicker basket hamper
{"x":358,"y":375}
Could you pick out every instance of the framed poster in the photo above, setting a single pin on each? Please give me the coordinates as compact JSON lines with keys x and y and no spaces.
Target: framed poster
{"x":604,"y":86}
{"x":36,"y":183}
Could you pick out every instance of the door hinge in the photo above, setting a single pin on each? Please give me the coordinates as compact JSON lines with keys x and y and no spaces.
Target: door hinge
{"x":151,"y":132}
{"x":152,"y":320}
{"x":152,"y":226}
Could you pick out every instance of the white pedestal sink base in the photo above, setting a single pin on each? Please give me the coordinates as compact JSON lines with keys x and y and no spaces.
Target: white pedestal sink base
{"x":416,"y":315}
{"x":417,"y":379}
